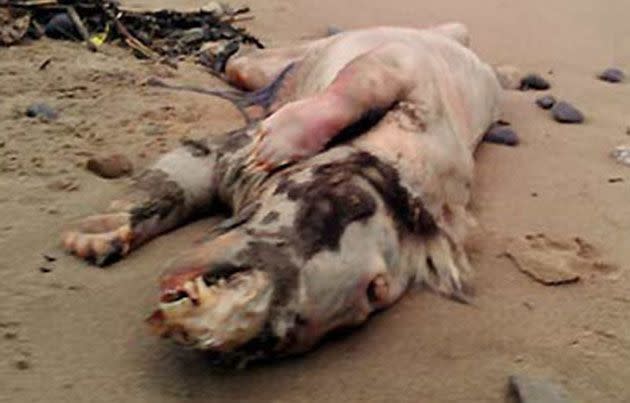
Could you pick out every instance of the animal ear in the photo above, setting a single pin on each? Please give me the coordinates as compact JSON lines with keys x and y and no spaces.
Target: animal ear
{"x":445,"y":268}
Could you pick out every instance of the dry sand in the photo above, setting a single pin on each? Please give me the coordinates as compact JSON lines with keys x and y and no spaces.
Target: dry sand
{"x":76,"y":334}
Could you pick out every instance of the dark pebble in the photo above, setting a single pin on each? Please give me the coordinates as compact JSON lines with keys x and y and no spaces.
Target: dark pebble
{"x":546,"y":102}
{"x":110,"y":167}
{"x":534,"y":82}
{"x":45,"y":269}
{"x":22,"y":365}
{"x":333,"y":30}
{"x":501,"y":134}
{"x":612,"y":75}
{"x":61,"y":26}
{"x":564,"y":112}
{"x":615,"y":180}
{"x":49,"y":258}
{"x":41,"y":110}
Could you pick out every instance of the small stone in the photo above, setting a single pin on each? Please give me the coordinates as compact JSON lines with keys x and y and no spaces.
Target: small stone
{"x":110,"y":167}
{"x":615,"y":180}
{"x":49,"y":258}
{"x":534,"y":82}
{"x":153,"y":129}
{"x":41,"y":110}
{"x":67,"y":185}
{"x":45,"y":269}
{"x":333,"y":30}
{"x":534,"y":194}
{"x":500,"y":133}
{"x":530,"y":390}
{"x":546,"y":102}
{"x":622,"y":154}
{"x":612,"y":75}
{"x":564,"y":112}
{"x":22,"y":365}
{"x":10,"y":335}
{"x":61,"y":26}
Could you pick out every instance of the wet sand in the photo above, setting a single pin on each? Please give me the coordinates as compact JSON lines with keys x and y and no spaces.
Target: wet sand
{"x":77,"y":333}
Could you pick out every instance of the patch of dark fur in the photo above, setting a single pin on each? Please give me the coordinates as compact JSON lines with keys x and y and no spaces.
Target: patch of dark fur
{"x":328,"y":205}
{"x":234,"y":140}
{"x":331,"y":201}
{"x":197,"y":148}
{"x":271,"y":258}
{"x":163,"y":196}
{"x":270,"y":217}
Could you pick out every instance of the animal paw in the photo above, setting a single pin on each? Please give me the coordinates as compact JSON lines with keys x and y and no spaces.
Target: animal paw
{"x":101,"y":238}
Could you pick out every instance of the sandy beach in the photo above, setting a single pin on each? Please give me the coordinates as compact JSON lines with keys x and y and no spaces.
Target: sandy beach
{"x":75,"y":333}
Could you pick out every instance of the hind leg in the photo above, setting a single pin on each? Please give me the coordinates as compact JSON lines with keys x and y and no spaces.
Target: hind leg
{"x":258,"y":68}
{"x":163,"y":197}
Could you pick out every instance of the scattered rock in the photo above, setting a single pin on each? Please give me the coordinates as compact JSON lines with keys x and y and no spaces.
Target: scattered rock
{"x":10,"y":335}
{"x":110,"y":167}
{"x":22,"y":365}
{"x":622,"y":154}
{"x":67,"y":185}
{"x":564,"y":112}
{"x":333,"y":30}
{"x":45,"y":269}
{"x":529,"y":390}
{"x":615,"y":180}
{"x":153,"y":129}
{"x":41,"y":110}
{"x":61,"y":27}
{"x":509,"y":76}
{"x":501,"y":133}
{"x":49,"y":258}
{"x":534,"y":82}
{"x":546,"y":102}
{"x":612,"y":75}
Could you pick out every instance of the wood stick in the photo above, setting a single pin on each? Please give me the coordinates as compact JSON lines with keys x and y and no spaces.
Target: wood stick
{"x":72,"y":13}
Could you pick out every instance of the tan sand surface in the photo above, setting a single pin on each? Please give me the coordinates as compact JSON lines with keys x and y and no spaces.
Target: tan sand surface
{"x":76,"y":334}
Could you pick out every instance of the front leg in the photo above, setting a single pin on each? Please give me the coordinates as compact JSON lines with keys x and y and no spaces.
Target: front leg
{"x":371,"y":82}
{"x":165,"y":196}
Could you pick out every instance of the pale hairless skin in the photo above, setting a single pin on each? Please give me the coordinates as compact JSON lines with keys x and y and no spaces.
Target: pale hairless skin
{"x":345,"y":228}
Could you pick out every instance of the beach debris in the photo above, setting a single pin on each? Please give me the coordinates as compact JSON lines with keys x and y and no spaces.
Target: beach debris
{"x":534,"y":82}
{"x":41,"y":110}
{"x":546,"y":102}
{"x":621,"y":154}
{"x":564,"y":112}
{"x":612,"y":75}
{"x":111,"y":166}
{"x":501,"y":133}
{"x":162,"y":35}
{"x":531,"y":257}
{"x":531,"y":390}
{"x":13,"y":26}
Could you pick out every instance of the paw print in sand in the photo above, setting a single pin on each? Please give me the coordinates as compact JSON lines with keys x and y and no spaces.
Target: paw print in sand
{"x":553,"y":262}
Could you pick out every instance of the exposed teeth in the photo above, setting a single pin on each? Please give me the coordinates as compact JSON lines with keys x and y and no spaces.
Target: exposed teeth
{"x":176,"y":308}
